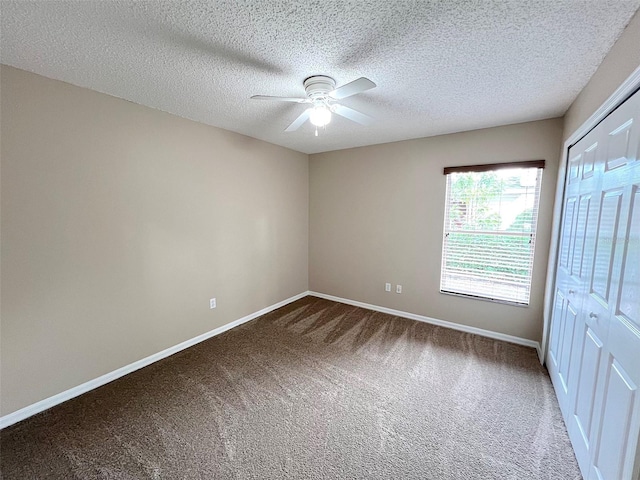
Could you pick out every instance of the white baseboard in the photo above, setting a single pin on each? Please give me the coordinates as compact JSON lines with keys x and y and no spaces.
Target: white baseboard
{"x":61,"y":397}
{"x":42,"y":405}
{"x":442,"y":323}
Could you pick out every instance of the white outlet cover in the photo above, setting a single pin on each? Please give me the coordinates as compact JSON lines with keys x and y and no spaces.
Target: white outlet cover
{"x":398,"y":288}
{"x":387,"y":287}
{"x":212,"y":303}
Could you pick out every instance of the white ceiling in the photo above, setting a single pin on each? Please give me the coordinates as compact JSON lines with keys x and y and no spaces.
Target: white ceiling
{"x":440,"y":66}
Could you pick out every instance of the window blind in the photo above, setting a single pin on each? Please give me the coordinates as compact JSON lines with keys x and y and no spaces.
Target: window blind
{"x":491,"y":216}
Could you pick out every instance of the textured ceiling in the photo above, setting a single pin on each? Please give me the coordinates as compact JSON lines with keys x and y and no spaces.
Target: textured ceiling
{"x":440,"y":66}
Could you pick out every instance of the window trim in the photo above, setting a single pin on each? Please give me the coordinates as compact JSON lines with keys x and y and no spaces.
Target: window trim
{"x":486,"y":299}
{"x":488,"y":167}
{"x":531,"y":164}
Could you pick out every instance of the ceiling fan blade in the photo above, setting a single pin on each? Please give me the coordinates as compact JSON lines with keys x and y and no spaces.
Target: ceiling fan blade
{"x":297,"y":123}
{"x":357,"y":86}
{"x":353,"y":115}
{"x":281,"y":99}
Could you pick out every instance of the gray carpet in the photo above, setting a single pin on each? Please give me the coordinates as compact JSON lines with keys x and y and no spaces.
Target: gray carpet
{"x":316,"y":389}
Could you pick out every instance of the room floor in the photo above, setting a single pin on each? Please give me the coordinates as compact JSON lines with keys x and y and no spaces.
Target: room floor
{"x":315,"y":389}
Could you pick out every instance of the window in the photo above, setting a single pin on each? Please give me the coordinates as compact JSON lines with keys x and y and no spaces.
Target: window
{"x":490,"y":230}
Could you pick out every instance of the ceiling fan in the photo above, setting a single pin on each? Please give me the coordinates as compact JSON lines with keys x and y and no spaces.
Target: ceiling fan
{"x":322,"y":95}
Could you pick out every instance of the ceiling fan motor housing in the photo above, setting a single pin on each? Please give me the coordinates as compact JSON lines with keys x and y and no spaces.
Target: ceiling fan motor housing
{"x":318,"y":87}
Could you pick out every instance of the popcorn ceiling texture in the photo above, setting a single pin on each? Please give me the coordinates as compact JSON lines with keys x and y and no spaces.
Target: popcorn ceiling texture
{"x":440,"y":66}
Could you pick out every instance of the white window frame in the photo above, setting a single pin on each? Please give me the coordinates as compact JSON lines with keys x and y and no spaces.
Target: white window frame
{"x":481,"y":285}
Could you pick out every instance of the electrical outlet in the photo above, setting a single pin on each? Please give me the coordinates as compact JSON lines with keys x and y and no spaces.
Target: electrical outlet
{"x":398,"y":288}
{"x":387,"y":287}
{"x":212,"y":303}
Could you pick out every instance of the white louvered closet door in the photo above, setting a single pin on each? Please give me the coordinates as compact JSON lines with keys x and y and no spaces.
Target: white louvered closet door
{"x":594,"y":348}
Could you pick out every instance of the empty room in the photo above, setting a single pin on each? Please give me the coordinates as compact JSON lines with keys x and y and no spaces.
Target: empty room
{"x":383,"y":239}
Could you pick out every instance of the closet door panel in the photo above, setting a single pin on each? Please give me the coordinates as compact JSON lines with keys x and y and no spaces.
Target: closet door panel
{"x":578,"y":268}
{"x":581,"y":426}
{"x":569,"y":327}
{"x":573,"y":265}
{"x":594,"y":353}
{"x":616,"y":442}
{"x":616,"y":292}
{"x":628,"y":304}
{"x":606,"y":234}
{"x":554,"y":343}
{"x":616,"y":453}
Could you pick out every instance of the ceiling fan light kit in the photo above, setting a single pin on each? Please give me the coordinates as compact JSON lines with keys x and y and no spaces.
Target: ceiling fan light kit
{"x":320,"y":115}
{"x":322,"y":94}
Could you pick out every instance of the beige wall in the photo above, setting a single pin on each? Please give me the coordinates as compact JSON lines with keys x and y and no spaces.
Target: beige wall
{"x":377,"y":213}
{"x":119,"y":222}
{"x":620,"y":62}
